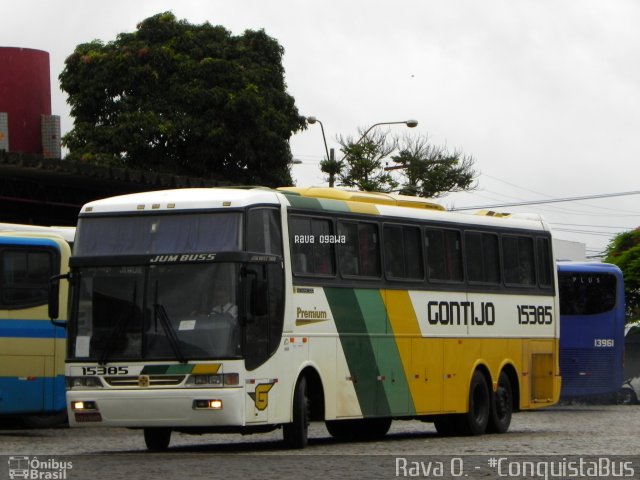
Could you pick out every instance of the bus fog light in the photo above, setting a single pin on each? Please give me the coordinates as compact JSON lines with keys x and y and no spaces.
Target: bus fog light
{"x":214,"y":404}
{"x":83,"y":405}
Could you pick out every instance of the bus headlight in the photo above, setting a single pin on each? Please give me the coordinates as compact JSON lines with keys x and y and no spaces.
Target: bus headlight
{"x":217,"y":380}
{"x":83,"y":382}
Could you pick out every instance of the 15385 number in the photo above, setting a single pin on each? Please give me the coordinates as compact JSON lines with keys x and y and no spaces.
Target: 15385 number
{"x":105,"y":371}
{"x":535,"y":315}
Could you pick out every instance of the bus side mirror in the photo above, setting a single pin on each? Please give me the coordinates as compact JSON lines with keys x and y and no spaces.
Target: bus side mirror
{"x":54,"y":299}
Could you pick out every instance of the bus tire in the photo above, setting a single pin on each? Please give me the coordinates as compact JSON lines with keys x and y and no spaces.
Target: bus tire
{"x":157,"y":438}
{"x":295,"y":433}
{"x":340,"y":429}
{"x":501,"y":406}
{"x":475,"y":421}
{"x":626,"y":396}
{"x":374,"y":428}
{"x":50,"y":420}
{"x":359,"y":429}
{"x":445,"y":425}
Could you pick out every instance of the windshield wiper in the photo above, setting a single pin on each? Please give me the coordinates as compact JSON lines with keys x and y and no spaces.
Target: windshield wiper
{"x":161,"y":313}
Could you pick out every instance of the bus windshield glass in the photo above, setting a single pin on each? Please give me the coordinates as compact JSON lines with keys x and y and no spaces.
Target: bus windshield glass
{"x":158,"y":234}
{"x":169,"y":311}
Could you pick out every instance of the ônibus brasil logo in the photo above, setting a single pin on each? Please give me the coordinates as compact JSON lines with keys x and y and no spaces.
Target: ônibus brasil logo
{"x":34,"y":468}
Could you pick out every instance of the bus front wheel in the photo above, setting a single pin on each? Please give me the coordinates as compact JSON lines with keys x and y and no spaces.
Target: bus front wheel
{"x":157,"y":439}
{"x":295,"y":433}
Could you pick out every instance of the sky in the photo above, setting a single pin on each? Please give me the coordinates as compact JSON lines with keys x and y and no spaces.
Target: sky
{"x":544,"y":94}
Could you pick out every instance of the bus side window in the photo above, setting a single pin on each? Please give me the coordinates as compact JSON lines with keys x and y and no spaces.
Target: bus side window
{"x":444,"y":255}
{"x":403,"y":252}
{"x":312,"y":251}
{"x":360,"y":252}
{"x":264,"y":233}
{"x":482,"y":257}
{"x":544,"y":262}
{"x":518,"y":260}
{"x":25,"y":277}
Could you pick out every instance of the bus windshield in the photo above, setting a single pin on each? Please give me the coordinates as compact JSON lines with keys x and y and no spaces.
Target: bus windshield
{"x":169,"y":311}
{"x":158,"y":234}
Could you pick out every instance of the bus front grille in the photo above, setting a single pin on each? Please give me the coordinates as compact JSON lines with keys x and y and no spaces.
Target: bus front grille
{"x":145,"y":381}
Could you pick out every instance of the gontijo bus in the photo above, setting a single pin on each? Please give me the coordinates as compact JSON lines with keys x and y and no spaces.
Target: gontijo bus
{"x":32,"y":349}
{"x":352,"y":308}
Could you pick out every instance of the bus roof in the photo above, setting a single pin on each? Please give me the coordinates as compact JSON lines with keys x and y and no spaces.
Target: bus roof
{"x":68,"y":233}
{"x":182,"y":199}
{"x":575,"y":266}
{"x":312,"y":198}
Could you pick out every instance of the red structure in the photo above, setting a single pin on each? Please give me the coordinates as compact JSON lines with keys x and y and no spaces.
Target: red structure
{"x":25,"y":95}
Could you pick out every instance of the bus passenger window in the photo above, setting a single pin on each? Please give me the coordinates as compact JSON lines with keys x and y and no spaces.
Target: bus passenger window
{"x":544,"y":262}
{"x":312,"y":251}
{"x":25,"y":278}
{"x":360,"y":252}
{"x":518,"y":259}
{"x":482,"y":257}
{"x":403,"y":252}
{"x":444,"y":255}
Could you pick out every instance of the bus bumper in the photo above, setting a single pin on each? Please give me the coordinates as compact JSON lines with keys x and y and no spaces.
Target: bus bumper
{"x":156,"y":408}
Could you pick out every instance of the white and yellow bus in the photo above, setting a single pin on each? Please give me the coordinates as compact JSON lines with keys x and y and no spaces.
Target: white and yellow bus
{"x":344,"y":307}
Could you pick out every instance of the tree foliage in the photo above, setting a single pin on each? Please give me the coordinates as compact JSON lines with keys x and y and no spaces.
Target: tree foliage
{"x":624,"y":251}
{"x":182,"y":98}
{"x":419,"y":167}
{"x":363,"y":166}
{"x":432,"y":170}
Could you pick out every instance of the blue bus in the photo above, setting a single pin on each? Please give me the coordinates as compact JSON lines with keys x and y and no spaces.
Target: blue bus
{"x":592,"y":318}
{"x":32,"y":349}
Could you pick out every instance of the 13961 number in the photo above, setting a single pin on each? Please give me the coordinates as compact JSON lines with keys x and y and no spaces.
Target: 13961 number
{"x":534,"y":315}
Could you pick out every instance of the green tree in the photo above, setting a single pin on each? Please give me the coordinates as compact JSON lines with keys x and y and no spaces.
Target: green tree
{"x":362,"y":166}
{"x":432,"y":170}
{"x":624,"y":251}
{"x":423,"y":169}
{"x":185,"y":99}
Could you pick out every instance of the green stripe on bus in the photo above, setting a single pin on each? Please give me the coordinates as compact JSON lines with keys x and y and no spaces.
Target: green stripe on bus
{"x":333,"y":205}
{"x":167,"y":369}
{"x":304,"y":202}
{"x":388,"y":359}
{"x":358,"y":351}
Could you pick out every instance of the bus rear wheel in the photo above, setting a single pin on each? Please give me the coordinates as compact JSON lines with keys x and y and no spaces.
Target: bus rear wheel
{"x":295,"y":433}
{"x":157,"y":438}
{"x":475,"y":421}
{"x":501,"y":406}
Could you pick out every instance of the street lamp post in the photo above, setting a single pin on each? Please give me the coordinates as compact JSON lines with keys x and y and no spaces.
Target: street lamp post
{"x":408,"y":123}
{"x":330,"y":158}
{"x":311,"y":121}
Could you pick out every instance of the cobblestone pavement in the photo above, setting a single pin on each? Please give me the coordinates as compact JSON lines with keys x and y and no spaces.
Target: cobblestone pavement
{"x":575,"y":430}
